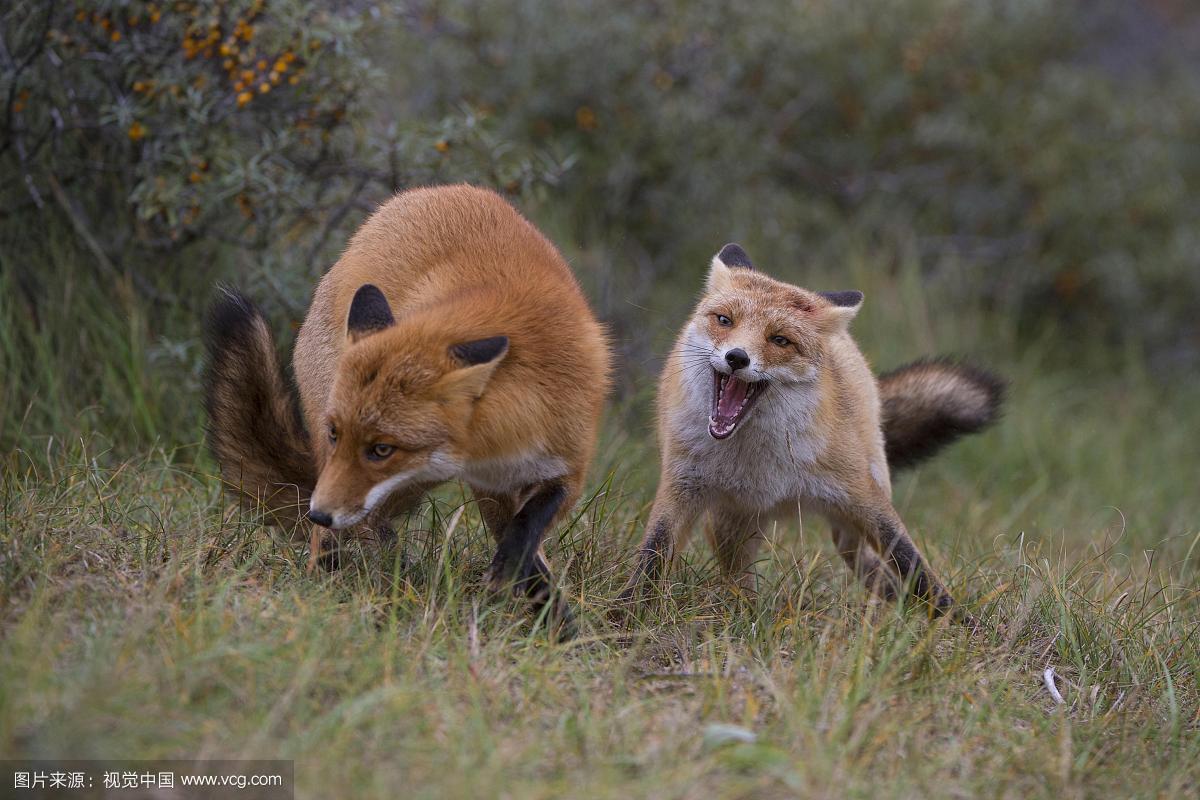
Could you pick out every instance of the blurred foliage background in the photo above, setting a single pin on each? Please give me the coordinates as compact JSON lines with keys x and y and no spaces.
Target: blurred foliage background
{"x":1022,"y":172}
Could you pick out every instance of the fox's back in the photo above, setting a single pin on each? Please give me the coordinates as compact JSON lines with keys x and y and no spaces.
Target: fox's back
{"x":461,"y":256}
{"x":428,"y":243}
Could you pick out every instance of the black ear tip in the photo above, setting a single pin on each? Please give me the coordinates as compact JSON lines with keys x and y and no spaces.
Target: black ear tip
{"x":732,"y":255}
{"x":367,"y":290}
{"x":847,"y":299}
{"x":480,"y":351}
{"x":369,"y":310}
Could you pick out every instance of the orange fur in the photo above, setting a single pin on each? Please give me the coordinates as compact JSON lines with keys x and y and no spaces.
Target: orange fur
{"x":454,"y":266}
{"x":766,"y":402}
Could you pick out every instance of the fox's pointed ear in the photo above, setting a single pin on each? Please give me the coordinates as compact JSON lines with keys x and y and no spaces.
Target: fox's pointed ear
{"x":479,"y":359}
{"x":369,"y":313}
{"x":731,"y":257}
{"x":481,"y":351}
{"x":841,"y":309}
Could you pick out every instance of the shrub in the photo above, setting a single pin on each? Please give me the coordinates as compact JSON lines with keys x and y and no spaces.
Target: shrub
{"x":149,"y":149}
{"x":152,"y":125}
{"x":993,"y":141}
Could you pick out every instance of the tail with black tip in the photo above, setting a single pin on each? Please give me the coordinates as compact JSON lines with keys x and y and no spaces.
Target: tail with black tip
{"x":932,"y":402}
{"x":255,"y":429}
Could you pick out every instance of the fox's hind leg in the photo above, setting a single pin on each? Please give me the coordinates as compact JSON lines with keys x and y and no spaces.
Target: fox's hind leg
{"x":519,"y":561}
{"x":735,"y":536}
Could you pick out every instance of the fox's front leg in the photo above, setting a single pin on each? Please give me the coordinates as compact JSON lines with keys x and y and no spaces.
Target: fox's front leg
{"x":325,"y":545}
{"x":878,"y":522}
{"x":862,"y":559}
{"x":519,"y":562}
{"x":674,"y":512}
{"x":735,"y":536}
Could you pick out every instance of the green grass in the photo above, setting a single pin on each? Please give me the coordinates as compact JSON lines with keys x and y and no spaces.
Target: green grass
{"x":142,"y":616}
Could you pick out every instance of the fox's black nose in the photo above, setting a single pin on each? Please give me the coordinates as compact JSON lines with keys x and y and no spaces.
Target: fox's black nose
{"x":737,"y":358}
{"x":320,"y":517}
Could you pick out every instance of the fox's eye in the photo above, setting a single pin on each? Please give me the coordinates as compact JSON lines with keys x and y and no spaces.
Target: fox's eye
{"x":724,"y":321}
{"x":781,"y":341}
{"x":378,"y":452}
{"x":333,"y":433}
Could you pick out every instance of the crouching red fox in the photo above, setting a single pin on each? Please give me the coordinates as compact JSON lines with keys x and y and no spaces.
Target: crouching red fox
{"x":766,"y":402}
{"x":450,"y":341}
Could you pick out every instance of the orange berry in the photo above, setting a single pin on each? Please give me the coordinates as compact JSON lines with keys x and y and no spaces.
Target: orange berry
{"x":137,"y":131}
{"x":294,"y":80}
{"x":442,"y":146}
{"x":261,"y":65}
{"x":243,"y":98}
{"x":263,"y":88}
{"x":115,"y":36}
{"x":585,"y":118}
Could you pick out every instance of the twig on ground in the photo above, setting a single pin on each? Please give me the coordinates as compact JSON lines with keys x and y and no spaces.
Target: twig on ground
{"x":1048,"y":679}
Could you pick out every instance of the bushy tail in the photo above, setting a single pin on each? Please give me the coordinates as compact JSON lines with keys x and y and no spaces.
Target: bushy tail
{"x":932,"y":402}
{"x":254,"y":425}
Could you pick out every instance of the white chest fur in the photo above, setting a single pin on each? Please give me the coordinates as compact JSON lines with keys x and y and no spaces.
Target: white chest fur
{"x":515,"y":472}
{"x":768,"y":460}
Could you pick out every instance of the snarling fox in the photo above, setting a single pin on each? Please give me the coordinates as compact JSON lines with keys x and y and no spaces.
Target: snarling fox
{"x":766,"y":402}
{"x":450,"y":341}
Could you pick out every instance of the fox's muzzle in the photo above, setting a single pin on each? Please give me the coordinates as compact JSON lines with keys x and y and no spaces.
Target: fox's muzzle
{"x":322,"y":518}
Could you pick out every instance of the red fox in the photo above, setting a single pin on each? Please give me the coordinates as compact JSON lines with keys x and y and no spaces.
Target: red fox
{"x":766,"y":402}
{"x":450,"y":341}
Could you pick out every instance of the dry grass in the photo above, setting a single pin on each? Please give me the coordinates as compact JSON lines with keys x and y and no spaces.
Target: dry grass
{"x":143,"y":617}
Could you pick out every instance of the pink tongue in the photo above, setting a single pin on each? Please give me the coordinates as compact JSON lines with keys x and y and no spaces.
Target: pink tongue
{"x":732,"y":397}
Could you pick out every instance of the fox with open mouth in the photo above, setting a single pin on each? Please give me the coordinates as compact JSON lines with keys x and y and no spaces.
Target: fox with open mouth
{"x":766,"y":402}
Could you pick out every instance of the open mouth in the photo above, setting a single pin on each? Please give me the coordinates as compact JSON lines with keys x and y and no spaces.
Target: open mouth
{"x":732,"y":400}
